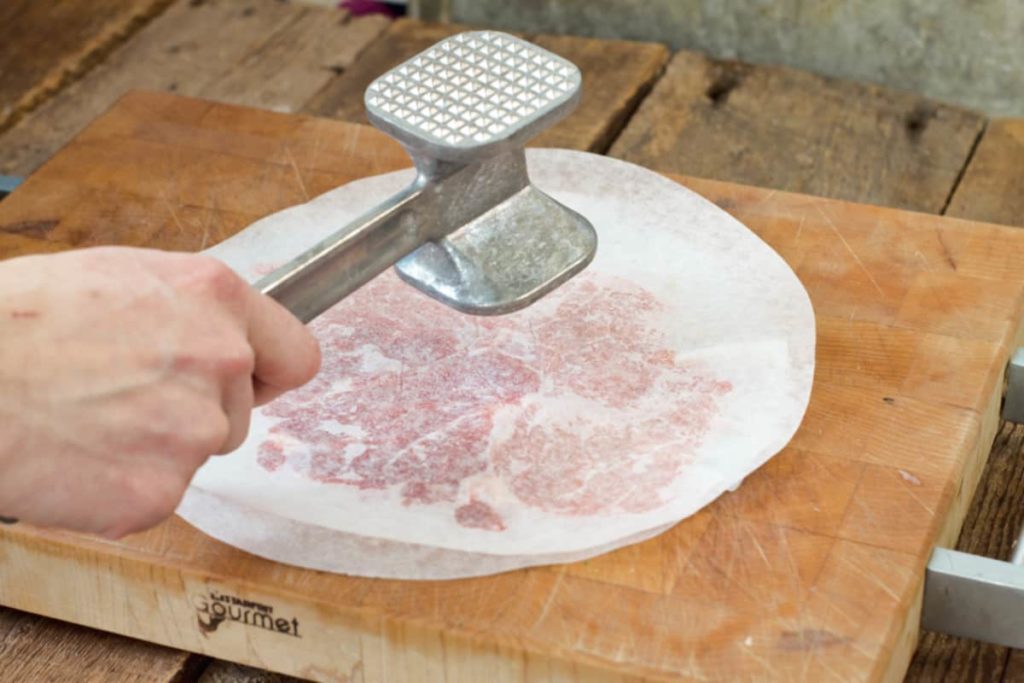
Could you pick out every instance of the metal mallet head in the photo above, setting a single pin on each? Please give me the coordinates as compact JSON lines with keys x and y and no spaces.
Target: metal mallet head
{"x":473,"y":95}
{"x":471,"y":230}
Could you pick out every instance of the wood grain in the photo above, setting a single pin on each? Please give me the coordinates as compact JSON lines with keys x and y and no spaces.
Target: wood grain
{"x":616,"y":75}
{"x":36,"y":649}
{"x":77,"y":33}
{"x":992,"y":188}
{"x":226,"y":672}
{"x":256,"y":52}
{"x":343,"y":98}
{"x":743,"y":590}
{"x":787,"y":129}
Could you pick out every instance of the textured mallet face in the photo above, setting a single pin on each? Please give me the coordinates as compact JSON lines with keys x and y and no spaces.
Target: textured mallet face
{"x":472,"y":90}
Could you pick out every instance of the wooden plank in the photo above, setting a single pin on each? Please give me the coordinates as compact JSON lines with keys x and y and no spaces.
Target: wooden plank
{"x":37,"y":649}
{"x":833,"y":595}
{"x":992,"y":188}
{"x":257,"y":52}
{"x":616,"y":75}
{"x":343,"y":98}
{"x":78,"y":34}
{"x":297,"y":60}
{"x":1014,"y":667}
{"x":782,"y":128}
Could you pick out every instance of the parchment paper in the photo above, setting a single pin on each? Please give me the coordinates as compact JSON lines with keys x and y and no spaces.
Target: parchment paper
{"x":439,"y":445}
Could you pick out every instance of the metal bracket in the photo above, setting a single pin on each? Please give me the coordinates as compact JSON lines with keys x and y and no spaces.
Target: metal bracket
{"x":7,"y":184}
{"x":973,"y":596}
{"x":1013,"y":405}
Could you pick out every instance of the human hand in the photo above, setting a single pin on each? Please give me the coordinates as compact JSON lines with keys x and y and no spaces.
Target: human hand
{"x":121,"y":371}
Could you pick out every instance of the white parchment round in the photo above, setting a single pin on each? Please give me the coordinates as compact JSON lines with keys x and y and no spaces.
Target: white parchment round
{"x":732,"y":304}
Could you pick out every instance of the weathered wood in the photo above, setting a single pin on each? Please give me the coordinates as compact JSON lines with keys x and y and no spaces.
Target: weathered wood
{"x":256,"y":52}
{"x":888,"y":456}
{"x":616,"y":75}
{"x":781,"y":128}
{"x":343,"y":98}
{"x":992,"y":188}
{"x":77,"y":34}
{"x":33,"y":648}
{"x":1014,"y":672}
{"x":296,"y":60}
{"x":225,"y":672}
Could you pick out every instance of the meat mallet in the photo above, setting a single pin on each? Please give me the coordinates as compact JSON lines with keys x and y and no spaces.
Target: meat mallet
{"x":471,"y":230}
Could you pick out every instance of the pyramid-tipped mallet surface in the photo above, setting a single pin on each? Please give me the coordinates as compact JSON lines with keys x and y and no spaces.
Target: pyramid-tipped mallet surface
{"x":471,"y":92}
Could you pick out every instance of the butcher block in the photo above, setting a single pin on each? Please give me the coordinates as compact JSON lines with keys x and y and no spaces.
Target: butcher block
{"x":812,"y":570}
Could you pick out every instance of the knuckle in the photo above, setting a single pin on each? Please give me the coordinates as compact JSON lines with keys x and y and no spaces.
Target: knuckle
{"x":233,"y":445}
{"x":216,"y":278}
{"x":195,"y":434}
{"x":238,"y":360}
{"x":209,"y":434}
{"x":167,"y":496}
{"x":237,"y":439}
{"x":149,"y":495}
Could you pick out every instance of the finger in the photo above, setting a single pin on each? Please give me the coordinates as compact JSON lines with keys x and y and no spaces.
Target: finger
{"x":264,"y":393}
{"x":237,"y":403}
{"x":287,"y":354}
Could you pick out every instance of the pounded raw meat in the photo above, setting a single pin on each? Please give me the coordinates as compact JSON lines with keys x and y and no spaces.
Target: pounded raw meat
{"x":583,"y":411}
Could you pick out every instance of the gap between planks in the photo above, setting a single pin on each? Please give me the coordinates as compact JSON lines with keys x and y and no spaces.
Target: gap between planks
{"x":963,"y":169}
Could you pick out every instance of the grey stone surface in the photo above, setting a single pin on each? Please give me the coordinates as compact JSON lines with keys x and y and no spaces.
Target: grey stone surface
{"x":968,"y":52}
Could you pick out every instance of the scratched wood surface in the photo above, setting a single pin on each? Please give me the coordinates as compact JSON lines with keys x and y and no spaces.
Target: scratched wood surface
{"x":77,"y":33}
{"x":812,"y":568}
{"x":992,"y":189}
{"x":792,"y":130}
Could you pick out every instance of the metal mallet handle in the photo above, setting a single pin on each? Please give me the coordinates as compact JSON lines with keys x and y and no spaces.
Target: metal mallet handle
{"x":463,"y":109}
{"x":335,"y":267}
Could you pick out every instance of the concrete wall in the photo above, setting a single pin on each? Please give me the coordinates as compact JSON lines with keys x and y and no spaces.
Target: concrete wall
{"x":968,"y":52}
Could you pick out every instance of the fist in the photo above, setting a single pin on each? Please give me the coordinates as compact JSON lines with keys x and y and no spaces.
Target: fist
{"x":121,"y":372}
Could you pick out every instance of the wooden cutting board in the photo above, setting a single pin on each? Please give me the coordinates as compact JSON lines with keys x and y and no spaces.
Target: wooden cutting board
{"x":812,"y":570}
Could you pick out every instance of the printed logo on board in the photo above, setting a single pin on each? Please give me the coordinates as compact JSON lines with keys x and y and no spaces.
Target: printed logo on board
{"x":213,"y":609}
